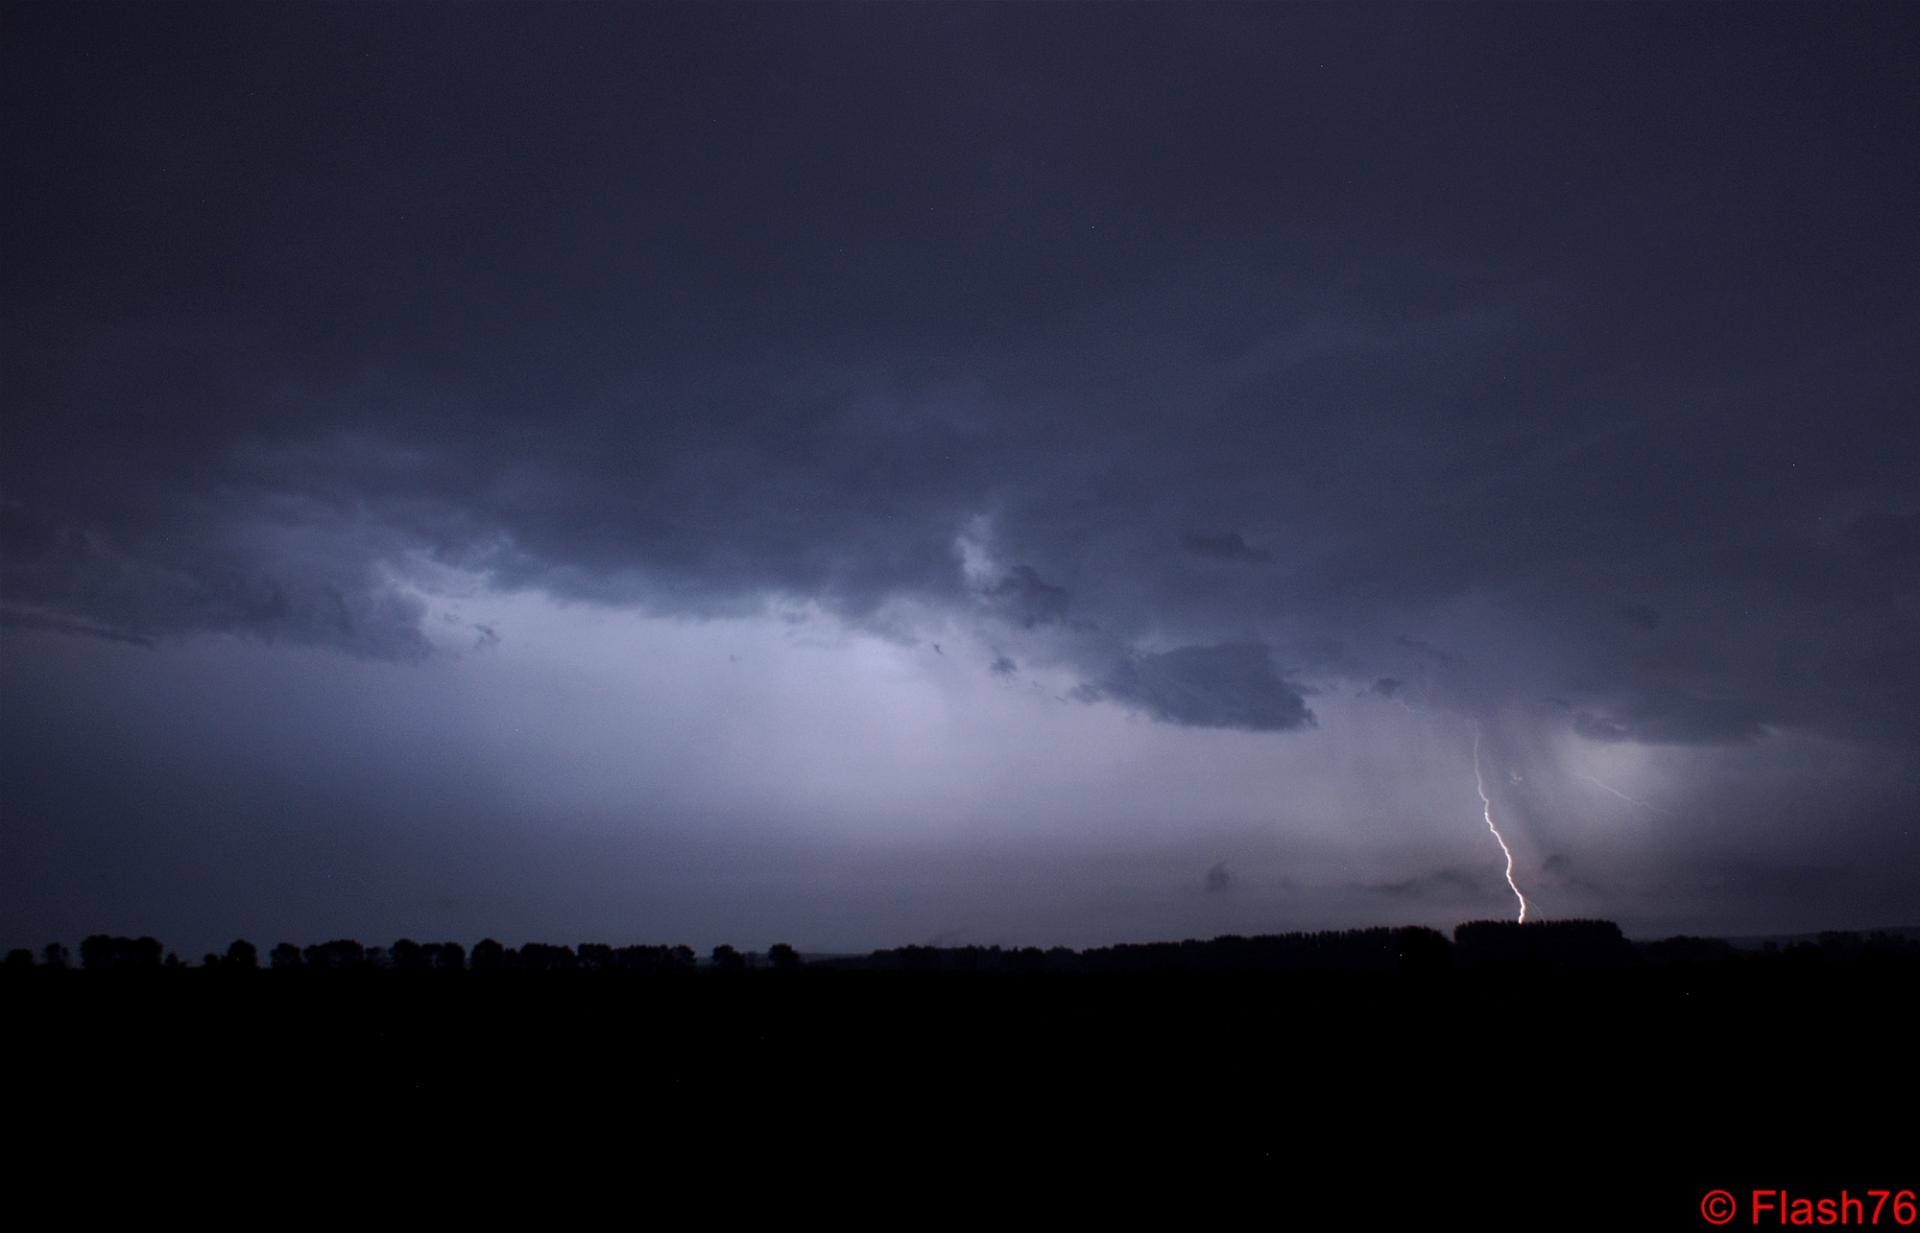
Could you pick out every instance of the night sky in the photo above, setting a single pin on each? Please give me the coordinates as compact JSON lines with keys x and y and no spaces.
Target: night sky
{"x":1018,"y":474}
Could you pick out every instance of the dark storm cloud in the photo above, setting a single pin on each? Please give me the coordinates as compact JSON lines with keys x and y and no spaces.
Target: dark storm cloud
{"x":1772,"y":880}
{"x":291,"y":578}
{"x":1563,"y":869}
{"x":1641,"y":615}
{"x":1451,"y":311}
{"x":13,"y":618}
{"x":1676,"y":719}
{"x":1886,"y":535}
{"x":1027,"y":599}
{"x":1441,"y":884}
{"x":1425,"y":650}
{"x":1233,"y":685}
{"x":1229,"y":547}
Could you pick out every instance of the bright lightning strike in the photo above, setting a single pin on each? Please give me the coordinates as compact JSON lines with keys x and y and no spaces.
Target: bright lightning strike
{"x":1486,"y":811}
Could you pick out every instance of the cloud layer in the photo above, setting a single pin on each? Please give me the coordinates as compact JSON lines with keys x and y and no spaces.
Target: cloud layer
{"x":1198,"y":364}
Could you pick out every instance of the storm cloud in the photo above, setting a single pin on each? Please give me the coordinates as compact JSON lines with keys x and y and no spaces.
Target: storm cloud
{"x":1229,"y":686}
{"x":1327,"y":377}
{"x":1229,"y":547}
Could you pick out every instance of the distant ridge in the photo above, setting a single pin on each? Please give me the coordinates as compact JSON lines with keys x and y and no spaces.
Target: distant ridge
{"x":1910,"y":933}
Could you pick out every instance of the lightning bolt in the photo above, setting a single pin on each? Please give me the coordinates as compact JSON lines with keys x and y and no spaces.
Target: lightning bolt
{"x":1486,"y":811}
{"x":1607,"y":787}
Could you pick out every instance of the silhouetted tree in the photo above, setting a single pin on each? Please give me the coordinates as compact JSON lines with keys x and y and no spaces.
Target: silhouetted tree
{"x":242,"y":955}
{"x":19,"y":957}
{"x":783,"y":958}
{"x":54,"y":955}
{"x":337,"y":955}
{"x":1682,"y":949}
{"x":98,"y":951}
{"x":1555,"y":943}
{"x":727,"y":959}
{"x":1422,"y":950}
{"x":284,"y":957}
{"x":651,"y":959}
{"x":446,"y":956}
{"x":540,"y":957}
{"x":102,"y":951}
{"x":409,"y":956}
{"x":489,"y":956}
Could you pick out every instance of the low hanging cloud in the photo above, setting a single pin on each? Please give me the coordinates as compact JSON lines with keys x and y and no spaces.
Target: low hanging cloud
{"x":1443,"y":884}
{"x":1028,"y":600}
{"x":1675,"y":718}
{"x":310,"y":581}
{"x":1233,"y":685}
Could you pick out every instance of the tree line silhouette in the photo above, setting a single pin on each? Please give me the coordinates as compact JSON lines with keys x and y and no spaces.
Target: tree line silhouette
{"x":1239,"y":1049}
{"x":1559,"y":944}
